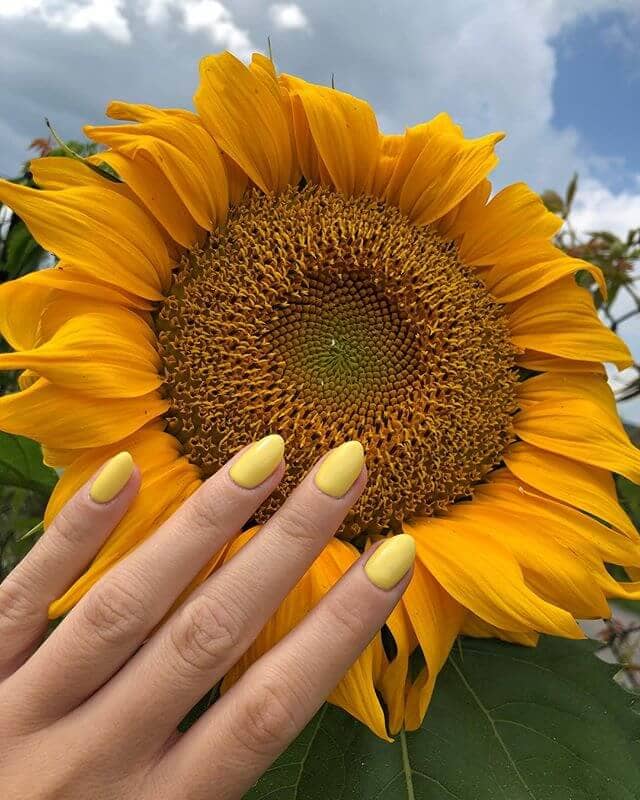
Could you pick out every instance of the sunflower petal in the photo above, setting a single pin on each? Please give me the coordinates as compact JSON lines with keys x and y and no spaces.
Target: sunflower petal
{"x":393,"y":685}
{"x":586,"y":536}
{"x":479,"y":629}
{"x":184,"y":154}
{"x":246,"y":117}
{"x":388,"y":152}
{"x":167,"y":480}
{"x":22,"y":301}
{"x":553,"y":386}
{"x":88,"y":350}
{"x":470,"y":205}
{"x":543,"y":362}
{"x":155,"y":190}
{"x":549,"y":568}
{"x":506,"y":225}
{"x":562,"y":321}
{"x":58,"y":417}
{"x":437,"y":168}
{"x":585,"y":487}
{"x":582,"y":431}
{"x":519,"y":274}
{"x":343,"y":130}
{"x":436,"y":619}
{"x":100,"y":232}
{"x":484,"y":576}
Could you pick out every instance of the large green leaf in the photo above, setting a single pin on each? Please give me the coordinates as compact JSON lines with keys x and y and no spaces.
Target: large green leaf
{"x":21,"y":465}
{"x":506,"y":723}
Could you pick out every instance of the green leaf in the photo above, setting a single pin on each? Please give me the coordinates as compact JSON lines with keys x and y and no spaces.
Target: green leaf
{"x":23,"y":253}
{"x":506,"y":723}
{"x":553,"y":201}
{"x":21,"y":465}
{"x":571,"y":192}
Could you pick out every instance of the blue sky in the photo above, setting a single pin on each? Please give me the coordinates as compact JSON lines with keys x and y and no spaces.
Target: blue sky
{"x":597,"y":90}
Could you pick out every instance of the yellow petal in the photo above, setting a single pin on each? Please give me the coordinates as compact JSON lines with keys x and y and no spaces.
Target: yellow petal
{"x":167,"y":480}
{"x":554,"y":386}
{"x":393,"y":685}
{"x":388,"y":152}
{"x":470,"y":206}
{"x":22,"y":301}
{"x":100,"y":232}
{"x":343,"y":132}
{"x":508,"y":224}
{"x":142,"y":112}
{"x":184,"y":153}
{"x":586,"y":487}
{"x":437,"y":168}
{"x":87,"y":351}
{"x":587,"y":537}
{"x":561,"y":320}
{"x":436,"y":619}
{"x":60,"y":172}
{"x":158,"y":194}
{"x":246,"y":116}
{"x":576,"y":416}
{"x":543,"y":362}
{"x":484,"y":576}
{"x":523,"y":271}
{"x":554,"y":572}
{"x":58,"y":417}
{"x":479,"y":629}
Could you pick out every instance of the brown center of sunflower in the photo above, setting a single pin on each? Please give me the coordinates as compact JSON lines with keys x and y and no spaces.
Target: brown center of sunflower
{"x":325,"y":318}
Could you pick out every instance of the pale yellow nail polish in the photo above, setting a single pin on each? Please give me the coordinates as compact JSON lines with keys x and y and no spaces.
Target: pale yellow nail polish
{"x":340,"y":469}
{"x":258,"y":462}
{"x":112,"y":479}
{"x":391,"y":561}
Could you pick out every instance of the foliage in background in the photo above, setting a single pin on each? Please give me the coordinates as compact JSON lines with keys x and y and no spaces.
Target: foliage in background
{"x":506,"y":721}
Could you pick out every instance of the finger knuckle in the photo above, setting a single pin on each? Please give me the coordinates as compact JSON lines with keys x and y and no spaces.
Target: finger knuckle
{"x":65,"y":529}
{"x":298,"y":523}
{"x":346,"y":623}
{"x":268,"y":719}
{"x":15,"y":601}
{"x":115,"y":612}
{"x":205,"y":634}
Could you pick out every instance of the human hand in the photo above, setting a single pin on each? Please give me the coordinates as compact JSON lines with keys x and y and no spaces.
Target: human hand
{"x":91,"y":713}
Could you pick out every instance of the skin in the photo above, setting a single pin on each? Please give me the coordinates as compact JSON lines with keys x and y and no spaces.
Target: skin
{"x":97,"y":713}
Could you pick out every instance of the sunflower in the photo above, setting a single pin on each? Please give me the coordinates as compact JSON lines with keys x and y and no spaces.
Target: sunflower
{"x":274,"y":263}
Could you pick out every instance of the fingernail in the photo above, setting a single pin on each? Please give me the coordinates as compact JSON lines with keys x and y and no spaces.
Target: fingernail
{"x":339,"y":470}
{"x":258,"y":462}
{"x":112,"y":478}
{"x":391,"y":561}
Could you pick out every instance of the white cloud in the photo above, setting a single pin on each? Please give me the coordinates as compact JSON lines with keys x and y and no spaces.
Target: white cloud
{"x":598,"y":208}
{"x":288,"y":16}
{"x":209,"y":16}
{"x":213,"y":18}
{"x":74,"y":15}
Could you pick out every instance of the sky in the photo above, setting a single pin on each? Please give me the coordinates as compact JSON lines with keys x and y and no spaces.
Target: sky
{"x":561,"y":77}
